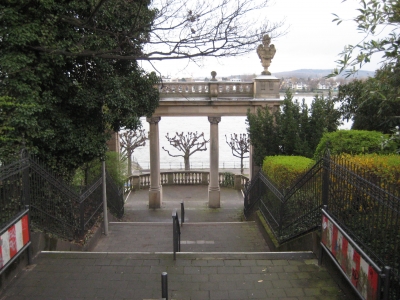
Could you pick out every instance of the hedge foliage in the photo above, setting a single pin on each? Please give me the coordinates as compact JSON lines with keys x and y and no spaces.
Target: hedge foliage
{"x":386,"y":167}
{"x":353,"y":142}
{"x":284,"y":170}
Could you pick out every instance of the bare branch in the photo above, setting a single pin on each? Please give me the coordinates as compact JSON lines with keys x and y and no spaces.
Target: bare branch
{"x":188,"y":144}
{"x":240,"y":145}
{"x":168,"y":29}
{"x":129,"y":141}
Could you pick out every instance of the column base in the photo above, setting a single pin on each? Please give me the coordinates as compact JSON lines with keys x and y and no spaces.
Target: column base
{"x":155,"y":197}
{"x":214,"y":197}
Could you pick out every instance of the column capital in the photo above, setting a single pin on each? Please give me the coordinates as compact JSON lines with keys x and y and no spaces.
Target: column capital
{"x":214,"y":120}
{"x":153,"y":120}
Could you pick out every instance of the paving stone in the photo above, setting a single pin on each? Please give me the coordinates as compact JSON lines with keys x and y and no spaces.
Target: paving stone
{"x":218,"y":295}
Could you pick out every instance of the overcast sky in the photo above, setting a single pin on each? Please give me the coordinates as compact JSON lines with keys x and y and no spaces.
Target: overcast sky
{"x":313,"y":41}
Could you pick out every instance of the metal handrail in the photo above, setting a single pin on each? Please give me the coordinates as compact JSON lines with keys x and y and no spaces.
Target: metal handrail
{"x":176,"y":233}
{"x":182,"y":212}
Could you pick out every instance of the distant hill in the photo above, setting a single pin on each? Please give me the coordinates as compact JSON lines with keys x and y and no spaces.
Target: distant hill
{"x":316,"y":73}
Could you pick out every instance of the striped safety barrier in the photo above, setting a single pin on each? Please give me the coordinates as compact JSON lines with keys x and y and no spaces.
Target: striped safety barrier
{"x":14,"y":239}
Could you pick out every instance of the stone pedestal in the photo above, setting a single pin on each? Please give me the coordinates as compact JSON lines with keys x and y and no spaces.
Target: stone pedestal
{"x":155,"y":191}
{"x":214,"y":197}
{"x":155,"y":197}
{"x":266,"y":87}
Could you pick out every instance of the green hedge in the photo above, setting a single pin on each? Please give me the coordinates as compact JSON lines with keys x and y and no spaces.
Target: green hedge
{"x":284,"y":170}
{"x":384,"y":166}
{"x":353,"y":142}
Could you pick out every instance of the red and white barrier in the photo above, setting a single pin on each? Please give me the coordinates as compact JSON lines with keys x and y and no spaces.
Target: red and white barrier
{"x":13,"y":240}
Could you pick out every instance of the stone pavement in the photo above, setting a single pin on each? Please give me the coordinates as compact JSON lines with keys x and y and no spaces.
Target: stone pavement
{"x":195,"y":198}
{"x":195,"y":237}
{"x":191,"y":277}
{"x":225,"y":260}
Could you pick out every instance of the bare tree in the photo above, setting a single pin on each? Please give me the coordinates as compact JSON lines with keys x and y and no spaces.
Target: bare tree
{"x":130,"y":140}
{"x":188,"y":144}
{"x":162,"y":29}
{"x":240,"y":145}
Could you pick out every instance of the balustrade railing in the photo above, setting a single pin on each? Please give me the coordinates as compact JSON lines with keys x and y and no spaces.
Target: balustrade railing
{"x":204,"y":89}
{"x":186,"y":178}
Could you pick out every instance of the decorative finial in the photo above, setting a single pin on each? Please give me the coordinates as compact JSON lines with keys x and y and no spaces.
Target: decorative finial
{"x":213,"y":74}
{"x":266,"y":53}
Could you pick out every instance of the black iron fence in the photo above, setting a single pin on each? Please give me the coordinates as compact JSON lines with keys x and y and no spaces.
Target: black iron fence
{"x":289,"y":213}
{"x":115,"y":196}
{"x":367,"y":207}
{"x":11,"y":190}
{"x":55,"y":207}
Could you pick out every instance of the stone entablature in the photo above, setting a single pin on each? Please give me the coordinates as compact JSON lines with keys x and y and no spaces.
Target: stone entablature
{"x":224,"y":108}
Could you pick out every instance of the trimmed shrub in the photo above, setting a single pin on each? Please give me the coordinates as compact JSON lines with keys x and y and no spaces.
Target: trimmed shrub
{"x":284,"y":170}
{"x":386,"y":167}
{"x":353,"y":142}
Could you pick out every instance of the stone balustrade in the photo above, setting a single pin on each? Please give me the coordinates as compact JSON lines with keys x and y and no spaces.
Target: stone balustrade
{"x":185,"y":178}
{"x":207,"y":89}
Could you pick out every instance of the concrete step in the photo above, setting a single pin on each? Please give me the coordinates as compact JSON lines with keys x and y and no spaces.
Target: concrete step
{"x":295,"y":255}
{"x":192,"y":276}
{"x":195,"y":237}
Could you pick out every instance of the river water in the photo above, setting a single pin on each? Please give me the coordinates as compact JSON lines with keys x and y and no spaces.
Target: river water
{"x":200,"y":159}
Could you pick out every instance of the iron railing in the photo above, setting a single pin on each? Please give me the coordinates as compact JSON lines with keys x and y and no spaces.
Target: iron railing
{"x":12,"y":200}
{"x":55,"y":207}
{"x":367,"y":208}
{"x":115,"y":198}
{"x":144,"y":165}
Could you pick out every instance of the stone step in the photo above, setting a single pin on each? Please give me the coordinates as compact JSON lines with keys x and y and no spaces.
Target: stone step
{"x":195,"y":237}
{"x":295,"y":255}
{"x":192,"y":276}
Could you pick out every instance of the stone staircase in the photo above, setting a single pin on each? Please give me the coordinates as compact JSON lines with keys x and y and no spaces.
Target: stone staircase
{"x":221,"y":257}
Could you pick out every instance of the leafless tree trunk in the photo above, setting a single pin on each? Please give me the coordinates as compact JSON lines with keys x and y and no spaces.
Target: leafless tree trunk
{"x":130,"y":140}
{"x":240,"y":145}
{"x":188,"y":144}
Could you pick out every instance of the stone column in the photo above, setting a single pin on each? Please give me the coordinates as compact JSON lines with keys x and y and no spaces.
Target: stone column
{"x":155,"y":191}
{"x":213,"y":187}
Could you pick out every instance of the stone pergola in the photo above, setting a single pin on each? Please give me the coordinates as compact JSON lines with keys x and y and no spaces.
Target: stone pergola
{"x":214,"y":100}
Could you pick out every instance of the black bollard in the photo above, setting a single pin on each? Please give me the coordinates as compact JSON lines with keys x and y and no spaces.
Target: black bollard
{"x":164,"y":285}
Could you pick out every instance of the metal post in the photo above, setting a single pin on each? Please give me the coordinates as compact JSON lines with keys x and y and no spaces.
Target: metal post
{"x":321,"y":249}
{"x":105,"y":217}
{"x":386,"y":284}
{"x":164,"y":285}
{"x":326,"y":163}
{"x":26,"y":186}
{"x":174,"y":234}
{"x":82,"y":217}
{"x":29,"y":249}
{"x":182,"y":213}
